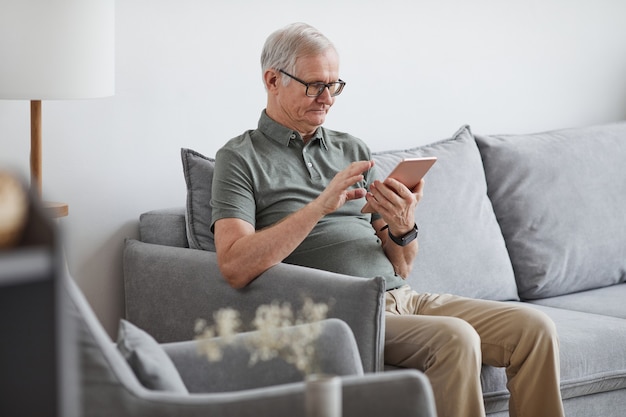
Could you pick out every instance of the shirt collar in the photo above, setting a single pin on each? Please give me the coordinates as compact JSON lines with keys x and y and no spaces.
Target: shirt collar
{"x":283,"y":135}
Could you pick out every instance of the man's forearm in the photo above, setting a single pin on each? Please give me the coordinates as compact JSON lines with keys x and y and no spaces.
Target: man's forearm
{"x":253,"y":252}
{"x":401,"y":257}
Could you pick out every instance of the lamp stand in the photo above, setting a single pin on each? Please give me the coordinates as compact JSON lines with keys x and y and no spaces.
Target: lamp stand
{"x":53,"y":209}
{"x":35,"y":146}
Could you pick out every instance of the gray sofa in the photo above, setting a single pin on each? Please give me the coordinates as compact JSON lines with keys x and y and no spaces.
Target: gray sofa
{"x":538,"y":219}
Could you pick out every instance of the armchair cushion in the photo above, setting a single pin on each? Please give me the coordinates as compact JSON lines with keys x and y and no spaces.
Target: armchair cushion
{"x":198,"y":170}
{"x":152,"y":366}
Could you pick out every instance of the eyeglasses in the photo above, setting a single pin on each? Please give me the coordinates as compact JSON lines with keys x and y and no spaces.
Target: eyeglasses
{"x":317,"y":88}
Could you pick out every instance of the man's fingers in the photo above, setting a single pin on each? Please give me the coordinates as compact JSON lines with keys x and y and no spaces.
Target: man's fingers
{"x":355,"y":194}
{"x":353,"y":173}
{"x":397,"y":187}
{"x":358,"y":167}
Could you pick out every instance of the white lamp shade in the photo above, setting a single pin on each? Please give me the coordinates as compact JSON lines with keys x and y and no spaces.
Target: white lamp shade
{"x":57,"y":49}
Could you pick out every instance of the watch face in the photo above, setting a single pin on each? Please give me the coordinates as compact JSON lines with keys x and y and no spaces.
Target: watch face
{"x":406,"y":239}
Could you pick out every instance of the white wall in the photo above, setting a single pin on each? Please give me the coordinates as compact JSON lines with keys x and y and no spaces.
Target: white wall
{"x":188,"y":76}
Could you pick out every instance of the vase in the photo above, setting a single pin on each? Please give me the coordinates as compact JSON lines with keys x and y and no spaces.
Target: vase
{"x":323,"y":396}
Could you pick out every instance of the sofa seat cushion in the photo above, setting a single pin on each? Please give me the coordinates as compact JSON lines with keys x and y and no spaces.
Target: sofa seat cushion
{"x":592,"y":357}
{"x":592,"y":351}
{"x":607,"y":301}
{"x":461,"y":248}
{"x":560,"y":199}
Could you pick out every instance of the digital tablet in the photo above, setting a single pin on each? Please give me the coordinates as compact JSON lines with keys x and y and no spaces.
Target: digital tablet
{"x":409,"y":172}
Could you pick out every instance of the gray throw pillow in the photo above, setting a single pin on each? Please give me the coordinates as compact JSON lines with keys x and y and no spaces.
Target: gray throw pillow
{"x":461,"y":248}
{"x":153,"y":368}
{"x":560,"y":199}
{"x":198,"y":171}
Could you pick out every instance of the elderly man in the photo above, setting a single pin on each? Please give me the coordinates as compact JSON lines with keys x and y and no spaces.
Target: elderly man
{"x":292,"y":191}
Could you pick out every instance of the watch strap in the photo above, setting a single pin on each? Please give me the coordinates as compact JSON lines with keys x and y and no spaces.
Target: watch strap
{"x":402,"y":240}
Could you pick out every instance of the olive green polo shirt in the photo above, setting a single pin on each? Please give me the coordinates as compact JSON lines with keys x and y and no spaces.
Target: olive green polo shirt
{"x":266,"y":174}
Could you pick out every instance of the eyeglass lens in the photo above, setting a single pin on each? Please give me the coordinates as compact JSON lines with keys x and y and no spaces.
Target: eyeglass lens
{"x":316,"y":89}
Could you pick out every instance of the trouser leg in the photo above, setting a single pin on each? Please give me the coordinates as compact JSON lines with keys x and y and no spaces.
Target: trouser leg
{"x":517,"y":337}
{"x":447,"y":349}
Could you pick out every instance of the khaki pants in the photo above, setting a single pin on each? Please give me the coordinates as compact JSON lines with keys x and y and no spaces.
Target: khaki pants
{"x":449,"y":337}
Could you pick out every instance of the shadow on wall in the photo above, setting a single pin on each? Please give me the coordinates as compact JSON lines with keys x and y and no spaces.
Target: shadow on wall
{"x":101,"y":277}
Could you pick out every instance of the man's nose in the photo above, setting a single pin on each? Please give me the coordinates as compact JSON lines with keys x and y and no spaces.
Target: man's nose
{"x":325,"y":97}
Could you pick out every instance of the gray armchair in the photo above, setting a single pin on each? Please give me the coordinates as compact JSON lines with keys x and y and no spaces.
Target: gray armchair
{"x":231,"y":388}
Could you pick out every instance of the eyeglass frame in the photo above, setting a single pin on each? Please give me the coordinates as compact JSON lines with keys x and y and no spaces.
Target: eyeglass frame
{"x":341,"y":83}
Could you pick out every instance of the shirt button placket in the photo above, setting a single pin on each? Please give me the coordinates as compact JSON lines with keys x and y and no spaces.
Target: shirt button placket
{"x":308,"y":162}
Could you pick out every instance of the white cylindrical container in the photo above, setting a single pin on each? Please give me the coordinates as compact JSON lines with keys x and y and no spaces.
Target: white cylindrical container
{"x":323,"y":396}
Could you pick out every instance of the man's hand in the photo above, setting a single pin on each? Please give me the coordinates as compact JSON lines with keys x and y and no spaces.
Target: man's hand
{"x":337,"y":193}
{"x":395,"y":203}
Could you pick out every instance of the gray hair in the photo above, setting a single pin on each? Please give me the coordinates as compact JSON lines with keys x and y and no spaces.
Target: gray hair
{"x":283,"y":47}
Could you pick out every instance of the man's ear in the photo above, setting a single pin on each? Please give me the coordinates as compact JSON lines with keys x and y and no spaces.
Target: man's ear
{"x":271,"y":79}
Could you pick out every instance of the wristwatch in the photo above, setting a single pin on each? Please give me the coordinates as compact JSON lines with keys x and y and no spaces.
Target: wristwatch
{"x":403,"y":240}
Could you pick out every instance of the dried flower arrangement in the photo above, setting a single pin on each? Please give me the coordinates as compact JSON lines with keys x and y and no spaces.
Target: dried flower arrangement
{"x":295,"y":347}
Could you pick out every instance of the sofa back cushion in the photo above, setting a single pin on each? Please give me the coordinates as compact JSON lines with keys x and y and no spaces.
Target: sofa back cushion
{"x":198,"y":171}
{"x":560,"y":199}
{"x":461,"y":248}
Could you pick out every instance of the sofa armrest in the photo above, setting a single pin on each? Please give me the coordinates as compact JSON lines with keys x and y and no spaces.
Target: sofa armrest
{"x":404,"y":392}
{"x":169,"y":288}
{"x":335,"y":353}
{"x":164,"y":227}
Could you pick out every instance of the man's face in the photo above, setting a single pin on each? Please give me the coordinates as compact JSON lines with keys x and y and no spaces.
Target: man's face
{"x":294,"y":108}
